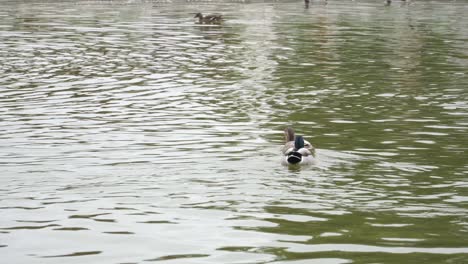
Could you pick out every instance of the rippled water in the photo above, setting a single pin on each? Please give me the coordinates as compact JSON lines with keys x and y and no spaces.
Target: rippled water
{"x":129,"y":133}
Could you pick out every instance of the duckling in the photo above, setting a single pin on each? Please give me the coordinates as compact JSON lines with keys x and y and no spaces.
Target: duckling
{"x":209,"y":19}
{"x":297,"y":150}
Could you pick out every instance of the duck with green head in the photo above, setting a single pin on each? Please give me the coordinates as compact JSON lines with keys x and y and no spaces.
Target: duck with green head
{"x":297,"y":150}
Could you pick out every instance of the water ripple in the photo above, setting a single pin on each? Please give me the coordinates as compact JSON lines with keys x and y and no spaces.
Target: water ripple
{"x":125,"y":123}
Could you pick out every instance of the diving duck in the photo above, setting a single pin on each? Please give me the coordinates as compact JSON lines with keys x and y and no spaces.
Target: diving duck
{"x":209,"y":19}
{"x":297,"y":150}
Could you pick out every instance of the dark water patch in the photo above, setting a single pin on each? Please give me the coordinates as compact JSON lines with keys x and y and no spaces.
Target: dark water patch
{"x":348,"y":257}
{"x":151,"y":212}
{"x":105,"y":220}
{"x":88,"y":216}
{"x":21,"y":207}
{"x":36,"y":221}
{"x":157,"y":222}
{"x":237,"y":249}
{"x":181,"y":256}
{"x":119,"y":233}
{"x":67,"y":202}
{"x":121,"y":196}
{"x":71,"y":229}
{"x":27,"y":227}
{"x":119,"y":208}
{"x":75,"y":254}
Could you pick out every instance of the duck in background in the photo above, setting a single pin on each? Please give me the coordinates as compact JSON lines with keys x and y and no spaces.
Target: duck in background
{"x":209,"y":19}
{"x":297,"y":150}
{"x":389,"y":2}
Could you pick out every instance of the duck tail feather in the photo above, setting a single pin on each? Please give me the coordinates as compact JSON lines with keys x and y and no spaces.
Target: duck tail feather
{"x":289,"y":134}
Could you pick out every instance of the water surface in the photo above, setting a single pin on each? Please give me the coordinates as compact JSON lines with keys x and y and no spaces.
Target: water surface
{"x":131,"y":134}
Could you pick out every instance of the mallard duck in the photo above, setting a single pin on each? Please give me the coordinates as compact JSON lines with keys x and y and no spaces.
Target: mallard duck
{"x":209,"y":19}
{"x":297,"y":150}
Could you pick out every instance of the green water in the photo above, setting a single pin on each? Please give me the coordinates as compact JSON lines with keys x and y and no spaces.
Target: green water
{"x":131,"y":134}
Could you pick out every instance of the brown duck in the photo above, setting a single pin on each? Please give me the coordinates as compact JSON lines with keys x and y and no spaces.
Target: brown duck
{"x":209,"y":19}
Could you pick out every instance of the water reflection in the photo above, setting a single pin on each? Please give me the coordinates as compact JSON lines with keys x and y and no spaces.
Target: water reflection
{"x":130,"y":133}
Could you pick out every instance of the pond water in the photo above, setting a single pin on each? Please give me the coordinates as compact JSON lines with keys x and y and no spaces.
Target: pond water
{"x":131,"y":134}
